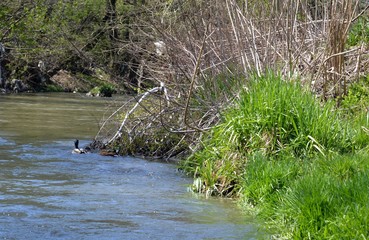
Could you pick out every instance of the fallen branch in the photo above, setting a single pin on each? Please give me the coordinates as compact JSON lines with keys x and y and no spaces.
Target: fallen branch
{"x":161,"y":89}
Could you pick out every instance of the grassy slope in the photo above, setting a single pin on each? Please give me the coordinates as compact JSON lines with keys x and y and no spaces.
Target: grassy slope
{"x":295,"y":162}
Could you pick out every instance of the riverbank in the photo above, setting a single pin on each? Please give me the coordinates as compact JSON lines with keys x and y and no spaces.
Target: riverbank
{"x":299,"y":164}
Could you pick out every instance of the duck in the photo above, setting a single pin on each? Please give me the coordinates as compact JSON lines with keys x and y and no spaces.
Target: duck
{"x":109,"y":152}
{"x":76,"y":149}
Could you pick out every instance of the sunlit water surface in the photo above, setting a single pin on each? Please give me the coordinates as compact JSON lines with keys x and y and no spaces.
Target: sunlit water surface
{"x":46,"y":192}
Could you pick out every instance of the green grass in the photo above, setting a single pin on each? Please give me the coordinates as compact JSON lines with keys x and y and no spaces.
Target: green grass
{"x":283,"y":118}
{"x":325,"y":198}
{"x":298,"y":163}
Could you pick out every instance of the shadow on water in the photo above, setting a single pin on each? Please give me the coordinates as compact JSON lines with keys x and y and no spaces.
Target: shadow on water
{"x":46,"y":192}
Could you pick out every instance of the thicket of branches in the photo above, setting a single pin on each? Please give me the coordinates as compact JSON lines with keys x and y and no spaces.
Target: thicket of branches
{"x":210,"y":49}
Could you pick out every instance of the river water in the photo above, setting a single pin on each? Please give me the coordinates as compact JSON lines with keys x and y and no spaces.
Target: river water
{"x":46,"y":192}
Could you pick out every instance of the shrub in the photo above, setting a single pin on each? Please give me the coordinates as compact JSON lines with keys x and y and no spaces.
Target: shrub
{"x":107,"y":90}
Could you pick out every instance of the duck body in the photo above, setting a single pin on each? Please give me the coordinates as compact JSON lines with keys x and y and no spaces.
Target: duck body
{"x":108,"y":152}
{"x":76,"y":149}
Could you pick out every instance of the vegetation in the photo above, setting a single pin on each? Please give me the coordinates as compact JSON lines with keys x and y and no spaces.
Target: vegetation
{"x":298,"y":162}
{"x":359,"y":32}
{"x":324,"y":198}
{"x":105,"y":90}
{"x":211,"y":53}
{"x":292,"y":146}
{"x":357,"y":97}
{"x":42,"y":38}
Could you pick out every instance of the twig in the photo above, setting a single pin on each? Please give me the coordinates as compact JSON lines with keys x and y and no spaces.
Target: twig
{"x":195,"y":71}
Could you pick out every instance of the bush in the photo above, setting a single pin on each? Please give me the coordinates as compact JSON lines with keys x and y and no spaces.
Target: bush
{"x":107,"y":90}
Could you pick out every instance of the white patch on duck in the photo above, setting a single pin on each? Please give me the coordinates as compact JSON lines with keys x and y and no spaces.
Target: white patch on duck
{"x":76,"y":149}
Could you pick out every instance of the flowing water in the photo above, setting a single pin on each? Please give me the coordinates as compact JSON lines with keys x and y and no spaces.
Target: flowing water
{"x":46,"y":192}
